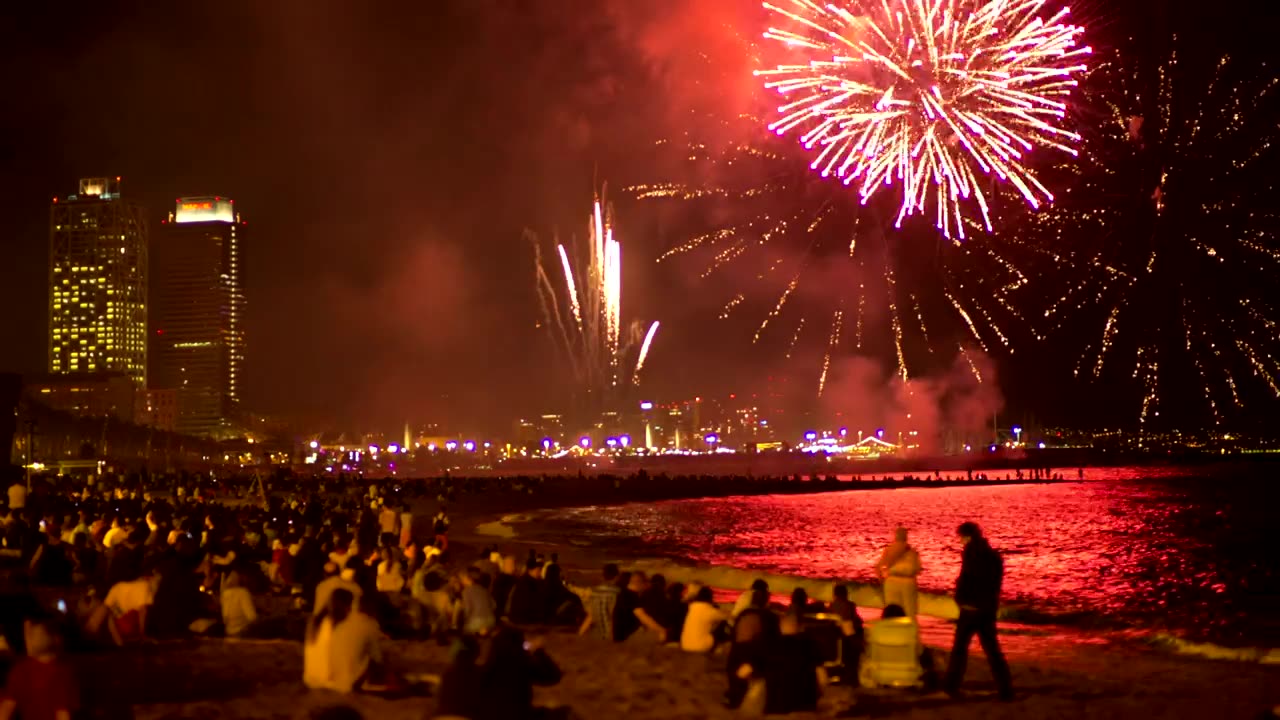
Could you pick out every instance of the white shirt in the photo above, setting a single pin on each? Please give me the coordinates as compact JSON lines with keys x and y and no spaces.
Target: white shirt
{"x":238,"y":611}
{"x":125,"y":597}
{"x":699,"y":626}
{"x":326,"y":588}
{"x":17,"y":496}
{"x":114,"y":537}
{"x":390,"y":577}
{"x":339,"y":655}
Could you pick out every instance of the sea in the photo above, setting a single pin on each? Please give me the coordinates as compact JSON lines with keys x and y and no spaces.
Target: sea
{"x":1186,"y":551}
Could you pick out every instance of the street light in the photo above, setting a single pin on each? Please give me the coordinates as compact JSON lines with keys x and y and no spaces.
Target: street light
{"x":811,"y":436}
{"x":625,"y":441}
{"x":584,"y":442}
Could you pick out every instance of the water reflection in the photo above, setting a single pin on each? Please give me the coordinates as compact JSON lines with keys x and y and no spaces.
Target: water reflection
{"x":1187,"y":553}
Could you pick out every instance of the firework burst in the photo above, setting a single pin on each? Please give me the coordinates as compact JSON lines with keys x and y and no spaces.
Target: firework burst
{"x":1166,"y":248}
{"x":928,"y":95}
{"x":591,"y":332}
{"x":832,"y":271}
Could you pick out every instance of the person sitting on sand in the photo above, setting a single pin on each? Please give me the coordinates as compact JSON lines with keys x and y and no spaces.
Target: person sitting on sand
{"x":678,"y":607}
{"x":495,"y":682}
{"x":338,"y":578}
{"x":124,"y":610}
{"x":745,"y":600}
{"x":236,"y":603}
{"x":793,"y":671}
{"x":522,"y":604}
{"x":630,"y":620}
{"x":479,"y":611}
{"x":40,"y":686}
{"x":390,"y":578}
{"x":800,"y":605}
{"x":754,"y":633}
{"x":893,"y":651}
{"x":342,"y":650}
{"x":898,"y":567}
{"x":557,"y":604}
{"x":601,"y":604}
{"x":702,"y":623}
{"x":503,"y":581}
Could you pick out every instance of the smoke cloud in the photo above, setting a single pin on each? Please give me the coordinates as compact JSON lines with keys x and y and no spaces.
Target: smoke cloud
{"x":944,"y":410}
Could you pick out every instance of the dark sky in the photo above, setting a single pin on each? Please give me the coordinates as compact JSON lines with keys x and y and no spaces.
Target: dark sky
{"x":387,"y":156}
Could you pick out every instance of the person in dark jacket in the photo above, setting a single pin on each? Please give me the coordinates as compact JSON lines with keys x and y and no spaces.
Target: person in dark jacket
{"x":495,"y":682}
{"x":978,"y":595}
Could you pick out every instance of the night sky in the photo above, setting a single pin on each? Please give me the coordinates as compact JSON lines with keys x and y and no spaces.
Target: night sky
{"x":387,"y":156}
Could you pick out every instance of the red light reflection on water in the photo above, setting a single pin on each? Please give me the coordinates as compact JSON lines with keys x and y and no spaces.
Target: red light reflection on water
{"x":1133,"y":551}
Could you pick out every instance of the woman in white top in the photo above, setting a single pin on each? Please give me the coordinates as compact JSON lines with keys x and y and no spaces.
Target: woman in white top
{"x":341,"y":651}
{"x":699,"y":634}
{"x":390,"y":572}
{"x":898,"y":567}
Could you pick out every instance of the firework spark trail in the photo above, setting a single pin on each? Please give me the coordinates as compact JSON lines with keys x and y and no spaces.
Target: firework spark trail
{"x":964,"y":352}
{"x":795,"y":338}
{"x":1184,"y":162}
{"x":594,"y":339}
{"x":644,"y":351}
{"x":572,"y":285}
{"x":729,"y":306}
{"x":907,"y":92}
{"x":832,"y":343}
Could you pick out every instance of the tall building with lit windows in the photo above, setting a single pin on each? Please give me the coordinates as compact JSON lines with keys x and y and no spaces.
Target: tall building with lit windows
{"x":198,"y":340}
{"x":98,"y":283}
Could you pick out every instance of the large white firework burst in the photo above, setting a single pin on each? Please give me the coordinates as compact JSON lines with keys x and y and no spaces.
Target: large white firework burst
{"x":927,"y":94}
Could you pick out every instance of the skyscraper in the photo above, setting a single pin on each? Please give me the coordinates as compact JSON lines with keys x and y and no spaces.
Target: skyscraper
{"x":98,"y":283}
{"x":199,"y":314}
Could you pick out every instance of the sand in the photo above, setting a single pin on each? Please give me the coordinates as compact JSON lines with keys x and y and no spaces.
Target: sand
{"x":217,"y":679}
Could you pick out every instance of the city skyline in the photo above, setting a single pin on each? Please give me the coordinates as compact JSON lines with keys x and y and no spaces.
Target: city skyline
{"x":388,"y":274}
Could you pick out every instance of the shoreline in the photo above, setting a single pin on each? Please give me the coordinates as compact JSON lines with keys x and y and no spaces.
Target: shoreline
{"x":581,"y":562}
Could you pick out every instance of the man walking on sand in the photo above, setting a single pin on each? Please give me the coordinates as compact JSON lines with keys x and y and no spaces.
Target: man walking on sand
{"x":978,"y":595}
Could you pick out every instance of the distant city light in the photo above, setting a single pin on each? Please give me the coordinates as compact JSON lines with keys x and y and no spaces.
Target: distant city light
{"x":451,"y":445}
{"x":314,"y":444}
{"x":487,"y":444}
{"x":373,"y":449}
{"x":1042,"y":445}
{"x":393,"y":448}
{"x":546,"y":444}
{"x":712,"y":438}
{"x":611,"y":442}
{"x":880,"y":433}
{"x":470,"y":445}
{"x":646,"y":405}
{"x":624,"y":441}
{"x":844,"y":431}
{"x":811,"y":436}
{"x":584,"y":441}
{"x":431,"y":447}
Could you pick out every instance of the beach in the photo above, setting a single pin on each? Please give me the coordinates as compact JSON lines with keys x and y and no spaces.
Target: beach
{"x":1059,"y":672}
{"x":1054,"y":679}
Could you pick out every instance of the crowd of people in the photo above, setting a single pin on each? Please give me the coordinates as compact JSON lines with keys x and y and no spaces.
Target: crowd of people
{"x":134,"y":559}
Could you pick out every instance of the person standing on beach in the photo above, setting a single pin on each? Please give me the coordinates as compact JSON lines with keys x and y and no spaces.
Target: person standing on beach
{"x":440,"y":525}
{"x":898,"y":567}
{"x":978,"y":595}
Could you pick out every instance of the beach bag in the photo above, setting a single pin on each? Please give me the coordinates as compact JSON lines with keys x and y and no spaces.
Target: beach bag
{"x":893,"y":654}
